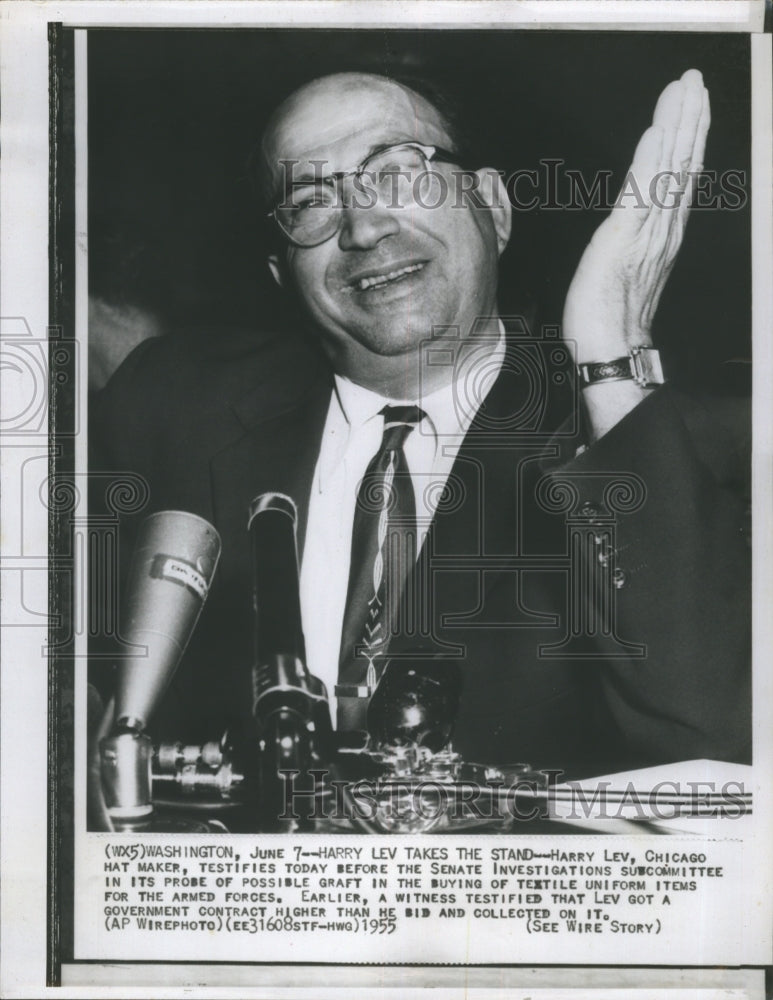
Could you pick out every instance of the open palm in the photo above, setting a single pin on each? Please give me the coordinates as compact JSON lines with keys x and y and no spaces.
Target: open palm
{"x":617,"y":286}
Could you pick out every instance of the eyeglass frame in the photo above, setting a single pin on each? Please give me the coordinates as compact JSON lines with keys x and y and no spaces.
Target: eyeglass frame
{"x":430,"y":153}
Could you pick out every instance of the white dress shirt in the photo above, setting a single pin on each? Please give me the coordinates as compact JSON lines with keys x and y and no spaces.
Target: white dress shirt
{"x":352,"y":436}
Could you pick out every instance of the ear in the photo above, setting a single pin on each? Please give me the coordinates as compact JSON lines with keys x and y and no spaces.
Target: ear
{"x":493,"y":195}
{"x":275,"y":267}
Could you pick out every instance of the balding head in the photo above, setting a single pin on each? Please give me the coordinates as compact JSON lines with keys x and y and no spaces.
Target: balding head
{"x":330,"y":106}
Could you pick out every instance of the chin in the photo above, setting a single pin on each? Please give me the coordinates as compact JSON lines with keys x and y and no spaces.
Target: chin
{"x":395,"y":341}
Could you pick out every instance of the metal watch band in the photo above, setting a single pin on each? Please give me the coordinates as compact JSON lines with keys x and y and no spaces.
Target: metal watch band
{"x":642,"y":365}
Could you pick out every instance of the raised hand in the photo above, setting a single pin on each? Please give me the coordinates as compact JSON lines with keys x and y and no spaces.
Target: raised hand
{"x":616,"y":289}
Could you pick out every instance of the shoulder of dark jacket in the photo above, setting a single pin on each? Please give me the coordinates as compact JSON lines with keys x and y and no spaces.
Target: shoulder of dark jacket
{"x":720,"y":427}
{"x":191,"y":386}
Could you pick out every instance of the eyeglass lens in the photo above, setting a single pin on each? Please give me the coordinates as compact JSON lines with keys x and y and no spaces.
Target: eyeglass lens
{"x":311,"y":213}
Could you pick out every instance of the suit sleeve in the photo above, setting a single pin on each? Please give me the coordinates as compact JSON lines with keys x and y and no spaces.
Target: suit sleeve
{"x":676,"y":579}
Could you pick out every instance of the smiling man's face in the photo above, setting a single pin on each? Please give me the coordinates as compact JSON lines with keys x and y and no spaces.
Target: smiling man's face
{"x":394,"y":270}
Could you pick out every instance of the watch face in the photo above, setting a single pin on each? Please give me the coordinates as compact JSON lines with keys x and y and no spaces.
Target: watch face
{"x":641,"y":366}
{"x":606,"y":371}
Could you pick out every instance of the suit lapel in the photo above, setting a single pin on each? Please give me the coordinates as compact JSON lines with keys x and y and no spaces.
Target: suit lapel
{"x":487,"y":518}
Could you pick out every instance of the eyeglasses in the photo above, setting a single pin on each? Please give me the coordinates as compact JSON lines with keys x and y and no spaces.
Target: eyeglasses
{"x":312,"y":211}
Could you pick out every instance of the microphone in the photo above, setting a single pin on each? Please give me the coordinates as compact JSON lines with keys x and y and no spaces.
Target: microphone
{"x":272,"y":527}
{"x":290,"y":705}
{"x":174,"y":560}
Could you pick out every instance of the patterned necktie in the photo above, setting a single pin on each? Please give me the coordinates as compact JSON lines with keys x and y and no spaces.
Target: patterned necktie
{"x":383,"y":553}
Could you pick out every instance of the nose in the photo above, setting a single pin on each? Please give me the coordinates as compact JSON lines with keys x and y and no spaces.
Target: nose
{"x":363,"y":226}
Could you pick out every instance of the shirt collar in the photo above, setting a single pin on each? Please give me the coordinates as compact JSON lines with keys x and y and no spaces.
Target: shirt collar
{"x":357,"y":406}
{"x":360,"y":405}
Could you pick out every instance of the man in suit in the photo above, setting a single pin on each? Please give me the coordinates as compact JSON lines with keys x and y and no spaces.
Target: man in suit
{"x":592,"y":583}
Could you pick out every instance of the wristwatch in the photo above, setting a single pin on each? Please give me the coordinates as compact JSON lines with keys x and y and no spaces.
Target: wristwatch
{"x":642,"y":365}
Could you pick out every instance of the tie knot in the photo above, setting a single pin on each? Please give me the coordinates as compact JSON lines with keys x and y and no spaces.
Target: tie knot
{"x":399,"y":421}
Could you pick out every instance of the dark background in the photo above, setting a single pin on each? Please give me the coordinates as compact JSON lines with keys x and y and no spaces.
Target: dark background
{"x":174,"y":225}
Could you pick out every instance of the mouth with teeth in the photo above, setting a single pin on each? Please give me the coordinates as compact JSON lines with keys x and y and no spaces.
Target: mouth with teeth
{"x":377,"y":281}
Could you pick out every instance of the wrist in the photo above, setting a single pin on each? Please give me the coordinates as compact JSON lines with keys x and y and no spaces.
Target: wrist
{"x":606,"y":403}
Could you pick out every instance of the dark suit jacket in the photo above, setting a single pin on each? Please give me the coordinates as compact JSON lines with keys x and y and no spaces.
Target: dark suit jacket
{"x":564,"y":665}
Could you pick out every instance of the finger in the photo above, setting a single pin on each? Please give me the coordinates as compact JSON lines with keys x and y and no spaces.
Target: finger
{"x":668,"y":115}
{"x":689,"y":148}
{"x":668,"y":110}
{"x":654,"y":154}
{"x":648,"y":156}
{"x":687,"y":128}
{"x":698,"y":152}
{"x":703,"y":130}
{"x":634,"y":200}
{"x":689,"y":135}
{"x":684,"y":114}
